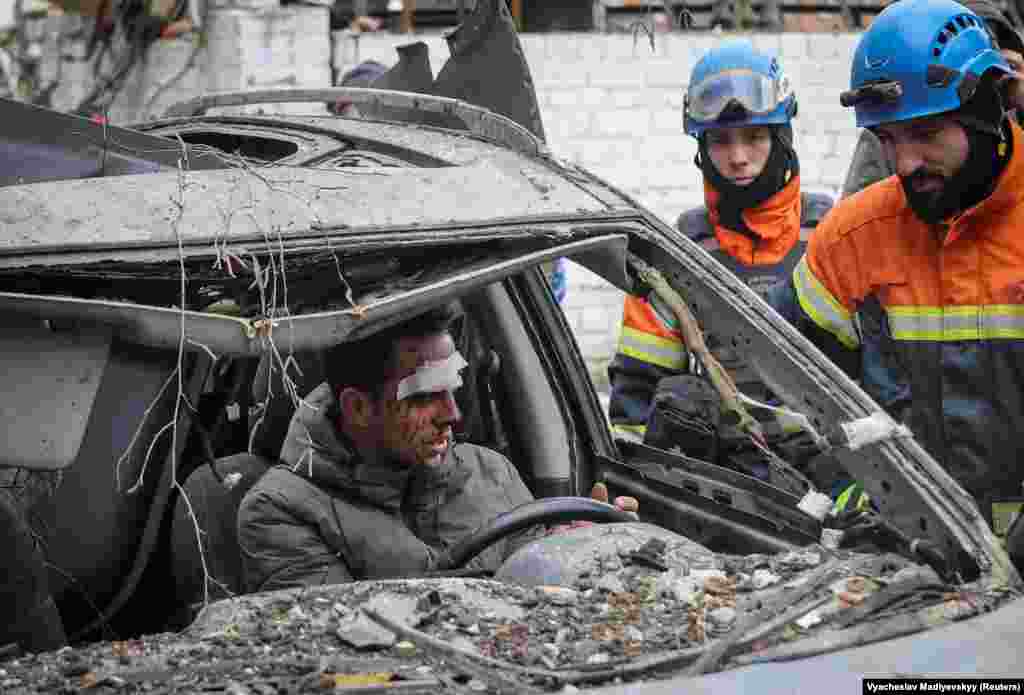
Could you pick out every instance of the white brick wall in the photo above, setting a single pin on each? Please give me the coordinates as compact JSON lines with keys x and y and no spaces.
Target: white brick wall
{"x":594,"y":310}
{"x":608,"y":101}
{"x":245,"y":49}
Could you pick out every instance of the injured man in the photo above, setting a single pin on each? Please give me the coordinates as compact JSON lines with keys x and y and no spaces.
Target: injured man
{"x":371,"y":483}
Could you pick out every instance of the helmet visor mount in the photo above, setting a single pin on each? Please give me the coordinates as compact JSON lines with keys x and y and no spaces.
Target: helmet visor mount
{"x":755,"y":92}
{"x":880,"y":92}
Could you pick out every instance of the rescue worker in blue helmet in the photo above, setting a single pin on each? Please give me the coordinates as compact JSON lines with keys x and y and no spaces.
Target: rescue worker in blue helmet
{"x":869,"y":165}
{"x":739,"y":107}
{"x":938,"y":246}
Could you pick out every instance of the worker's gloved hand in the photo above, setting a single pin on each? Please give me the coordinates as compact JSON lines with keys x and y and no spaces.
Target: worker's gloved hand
{"x":867,"y":531}
{"x":599,"y":493}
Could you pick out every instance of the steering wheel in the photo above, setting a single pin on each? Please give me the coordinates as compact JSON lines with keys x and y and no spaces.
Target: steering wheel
{"x":550,"y":510}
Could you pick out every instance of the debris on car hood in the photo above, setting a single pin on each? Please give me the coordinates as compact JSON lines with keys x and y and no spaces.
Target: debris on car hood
{"x":626,"y":620}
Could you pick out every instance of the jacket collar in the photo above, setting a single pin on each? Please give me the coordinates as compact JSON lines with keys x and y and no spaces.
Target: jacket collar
{"x":775,"y":224}
{"x":315,"y":449}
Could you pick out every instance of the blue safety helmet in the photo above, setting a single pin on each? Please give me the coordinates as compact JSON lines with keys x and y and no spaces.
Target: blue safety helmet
{"x":735,"y":84}
{"x":919,"y":58}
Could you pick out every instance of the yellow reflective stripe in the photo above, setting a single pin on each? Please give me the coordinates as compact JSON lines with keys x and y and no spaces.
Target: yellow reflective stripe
{"x":824,"y":309}
{"x":843,"y":500}
{"x":840,"y":504}
{"x":645,"y":347}
{"x":863,"y":501}
{"x":634,"y":429}
{"x":1003,"y":516}
{"x":963,"y":322}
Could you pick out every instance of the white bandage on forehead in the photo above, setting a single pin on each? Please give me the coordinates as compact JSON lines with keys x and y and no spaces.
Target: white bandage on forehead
{"x":433,"y":377}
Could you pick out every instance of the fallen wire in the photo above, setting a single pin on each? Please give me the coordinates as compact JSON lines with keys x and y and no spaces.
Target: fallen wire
{"x":683,"y":19}
{"x":138,"y":430}
{"x":108,"y":632}
{"x":212,"y":355}
{"x":149,"y":453}
{"x":359,"y":310}
{"x":183,"y":166}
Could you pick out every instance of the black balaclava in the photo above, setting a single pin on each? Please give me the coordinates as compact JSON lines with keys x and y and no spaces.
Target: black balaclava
{"x":989,"y":148}
{"x":781,"y":167}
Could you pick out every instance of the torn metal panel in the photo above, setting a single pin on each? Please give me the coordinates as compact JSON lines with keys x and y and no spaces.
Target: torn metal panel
{"x":702,"y":515}
{"x":723,"y":486}
{"x":487,"y":67}
{"x":443,"y":147}
{"x":230,"y":335}
{"x":235,"y":139}
{"x":412,"y":72}
{"x":38,"y":144}
{"x":414,"y":107}
{"x":342,"y":241}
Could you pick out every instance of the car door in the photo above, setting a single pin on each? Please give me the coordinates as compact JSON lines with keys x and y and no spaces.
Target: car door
{"x":907,"y":485}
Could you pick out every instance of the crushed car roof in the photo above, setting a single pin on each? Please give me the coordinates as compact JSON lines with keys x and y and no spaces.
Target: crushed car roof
{"x":481,"y":183}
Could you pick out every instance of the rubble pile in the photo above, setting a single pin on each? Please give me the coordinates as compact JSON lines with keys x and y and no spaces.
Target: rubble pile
{"x":633,"y":612}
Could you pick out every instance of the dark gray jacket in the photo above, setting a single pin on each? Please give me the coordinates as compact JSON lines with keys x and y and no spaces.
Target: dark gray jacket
{"x":323,"y":516}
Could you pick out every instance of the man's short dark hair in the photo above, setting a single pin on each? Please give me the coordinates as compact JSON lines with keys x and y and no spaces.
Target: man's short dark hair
{"x":367,"y":363}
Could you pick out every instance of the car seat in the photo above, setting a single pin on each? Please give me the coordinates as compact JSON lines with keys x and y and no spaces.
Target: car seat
{"x":273,"y":406}
{"x":212,"y":495}
{"x":214,"y":491}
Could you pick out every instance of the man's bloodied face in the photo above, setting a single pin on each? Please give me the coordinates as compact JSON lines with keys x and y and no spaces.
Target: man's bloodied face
{"x":416,"y":429}
{"x":926,"y":154}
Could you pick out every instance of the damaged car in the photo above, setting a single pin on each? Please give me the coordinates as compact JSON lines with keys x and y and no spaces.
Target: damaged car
{"x":167,"y":291}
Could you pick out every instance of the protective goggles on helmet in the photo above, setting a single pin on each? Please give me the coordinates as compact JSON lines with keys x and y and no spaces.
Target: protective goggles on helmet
{"x":755,"y":92}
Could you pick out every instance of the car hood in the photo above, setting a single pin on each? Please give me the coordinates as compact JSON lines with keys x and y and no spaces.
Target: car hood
{"x":644,"y":605}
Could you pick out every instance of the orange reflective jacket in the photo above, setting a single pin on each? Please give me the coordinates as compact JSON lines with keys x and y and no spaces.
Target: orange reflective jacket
{"x":650,"y":345}
{"x":953,"y":303}
{"x":775,"y":223}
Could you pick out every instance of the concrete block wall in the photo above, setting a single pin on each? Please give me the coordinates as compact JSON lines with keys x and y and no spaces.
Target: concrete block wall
{"x":243,"y":49}
{"x":615,"y":106}
{"x":594,"y":310}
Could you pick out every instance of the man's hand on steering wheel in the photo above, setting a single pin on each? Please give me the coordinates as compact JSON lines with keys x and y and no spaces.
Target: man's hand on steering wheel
{"x":599,"y":493}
